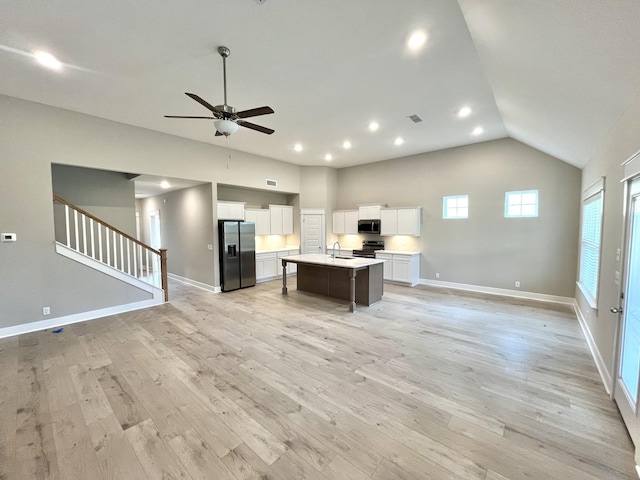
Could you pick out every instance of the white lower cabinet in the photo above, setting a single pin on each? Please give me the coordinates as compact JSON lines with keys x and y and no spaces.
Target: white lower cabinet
{"x":269,"y":265}
{"x":266,"y":266}
{"x":400,"y":267}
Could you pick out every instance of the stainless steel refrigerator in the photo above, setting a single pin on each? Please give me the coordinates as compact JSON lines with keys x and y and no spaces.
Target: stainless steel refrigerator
{"x":237,"y":245}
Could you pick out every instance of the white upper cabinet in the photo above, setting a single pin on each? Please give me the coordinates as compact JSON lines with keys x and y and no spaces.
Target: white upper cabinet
{"x":281,"y":219}
{"x":345,"y":222}
{"x":388,"y":221}
{"x":261,"y":217}
{"x":409,"y":220}
{"x":351,"y":222}
{"x":338,"y":222}
{"x":230,"y":211}
{"x":369,"y":212}
{"x":401,"y":221}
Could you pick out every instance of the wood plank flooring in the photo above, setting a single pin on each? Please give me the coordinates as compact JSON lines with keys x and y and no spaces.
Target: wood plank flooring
{"x":427,"y":384}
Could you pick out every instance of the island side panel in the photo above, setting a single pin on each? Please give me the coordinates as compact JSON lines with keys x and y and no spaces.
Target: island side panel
{"x":313,"y":278}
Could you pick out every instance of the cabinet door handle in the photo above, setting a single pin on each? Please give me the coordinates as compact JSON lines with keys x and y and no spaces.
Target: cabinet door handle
{"x":615,"y":310}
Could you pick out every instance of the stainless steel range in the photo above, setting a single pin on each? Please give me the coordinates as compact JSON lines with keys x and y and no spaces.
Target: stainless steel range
{"x":369,"y":248}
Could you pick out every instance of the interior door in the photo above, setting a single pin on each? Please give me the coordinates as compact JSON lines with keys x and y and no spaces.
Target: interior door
{"x":313,"y":240}
{"x":628,"y":374}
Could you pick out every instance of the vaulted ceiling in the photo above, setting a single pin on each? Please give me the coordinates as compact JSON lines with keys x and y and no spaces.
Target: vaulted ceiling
{"x":554,"y":74}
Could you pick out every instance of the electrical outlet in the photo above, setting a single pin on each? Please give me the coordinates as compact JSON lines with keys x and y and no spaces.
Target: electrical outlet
{"x":46,"y":310}
{"x":209,"y":247}
{"x":517,"y":284}
{"x":437,"y":275}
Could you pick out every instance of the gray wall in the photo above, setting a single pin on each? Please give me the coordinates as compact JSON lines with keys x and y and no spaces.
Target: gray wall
{"x":32,"y":138}
{"x":186,"y":224}
{"x":486,"y":249}
{"x":108,"y":195}
{"x":252,"y":198}
{"x":320,"y":190}
{"x":623,"y":141}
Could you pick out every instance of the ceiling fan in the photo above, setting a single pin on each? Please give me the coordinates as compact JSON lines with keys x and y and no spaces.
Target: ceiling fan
{"x":225,"y":116}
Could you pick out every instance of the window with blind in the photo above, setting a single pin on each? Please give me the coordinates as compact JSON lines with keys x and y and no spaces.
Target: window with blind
{"x":590,"y":242}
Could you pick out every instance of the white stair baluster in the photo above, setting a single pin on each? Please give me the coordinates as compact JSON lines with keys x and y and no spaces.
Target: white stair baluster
{"x":100,"y":241}
{"x":66,"y":222}
{"x":75,"y":222}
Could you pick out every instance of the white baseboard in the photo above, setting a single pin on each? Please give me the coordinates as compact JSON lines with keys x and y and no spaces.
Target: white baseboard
{"x":605,"y":375}
{"x":194,"y":283}
{"x":74,"y":318}
{"x":541,"y":297}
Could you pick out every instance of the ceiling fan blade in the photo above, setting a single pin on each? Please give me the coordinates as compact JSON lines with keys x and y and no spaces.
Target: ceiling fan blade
{"x":183,"y":116}
{"x":204,"y":103}
{"x":254,"y":112}
{"x":255,"y":127}
{"x":218,"y":134}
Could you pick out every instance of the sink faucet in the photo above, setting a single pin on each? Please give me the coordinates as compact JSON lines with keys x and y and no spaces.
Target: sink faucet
{"x":334,"y":249}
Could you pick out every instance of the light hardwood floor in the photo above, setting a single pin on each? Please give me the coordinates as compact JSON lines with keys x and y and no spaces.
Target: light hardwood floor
{"x":427,"y":384}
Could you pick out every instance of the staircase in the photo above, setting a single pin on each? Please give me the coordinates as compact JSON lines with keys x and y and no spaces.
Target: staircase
{"x":93,"y":242}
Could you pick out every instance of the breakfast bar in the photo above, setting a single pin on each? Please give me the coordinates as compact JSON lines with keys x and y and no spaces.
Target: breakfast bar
{"x":358,"y":280}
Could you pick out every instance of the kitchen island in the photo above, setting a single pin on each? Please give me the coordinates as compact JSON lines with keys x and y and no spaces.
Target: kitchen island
{"x":358,"y":280}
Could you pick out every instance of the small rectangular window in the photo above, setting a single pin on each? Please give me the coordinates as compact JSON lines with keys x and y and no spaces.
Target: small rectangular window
{"x":521,"y":204}
{"x":455,"y":206}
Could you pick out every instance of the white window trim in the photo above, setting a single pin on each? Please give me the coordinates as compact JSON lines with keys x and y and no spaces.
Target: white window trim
{"x":595,"y":189}
{"x":444,"y":207}
{"x":520,"y":192}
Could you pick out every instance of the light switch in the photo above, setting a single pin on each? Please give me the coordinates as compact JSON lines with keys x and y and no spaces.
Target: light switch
{"x":8,"y":237}
{"x":617,"y":255}
{"x":616,"y":278}
{"x":209,"y":247}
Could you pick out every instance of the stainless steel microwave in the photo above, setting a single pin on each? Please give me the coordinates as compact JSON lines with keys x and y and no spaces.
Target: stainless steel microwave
{"x":369,"y":226}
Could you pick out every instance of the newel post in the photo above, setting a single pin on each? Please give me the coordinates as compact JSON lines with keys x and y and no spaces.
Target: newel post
{"x":163,"y":272}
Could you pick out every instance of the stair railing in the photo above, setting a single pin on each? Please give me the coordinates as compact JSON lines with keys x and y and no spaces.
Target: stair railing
{"x":87,"y":234}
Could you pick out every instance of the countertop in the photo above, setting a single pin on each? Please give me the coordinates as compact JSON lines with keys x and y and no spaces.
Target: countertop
{"x":320,"y":259}
{"x":397,"y":252}
{"x":275,"y":250}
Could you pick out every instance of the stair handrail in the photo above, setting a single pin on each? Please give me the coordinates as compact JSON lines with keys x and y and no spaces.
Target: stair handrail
{"x":162,"y":252}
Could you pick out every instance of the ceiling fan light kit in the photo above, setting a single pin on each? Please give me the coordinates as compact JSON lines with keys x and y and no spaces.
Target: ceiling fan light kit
{"x":226,"y":118}
{"x":226,"y":127}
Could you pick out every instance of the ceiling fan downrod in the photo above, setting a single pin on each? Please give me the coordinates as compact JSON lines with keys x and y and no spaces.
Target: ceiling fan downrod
{"x":224,"y":53}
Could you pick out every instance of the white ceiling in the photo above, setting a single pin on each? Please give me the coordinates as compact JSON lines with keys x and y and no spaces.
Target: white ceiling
{"x":554,"y":74}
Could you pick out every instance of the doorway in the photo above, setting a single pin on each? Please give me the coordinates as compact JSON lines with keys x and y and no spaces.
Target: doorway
{"x":313,"y":237}
{"x":628,"y":371}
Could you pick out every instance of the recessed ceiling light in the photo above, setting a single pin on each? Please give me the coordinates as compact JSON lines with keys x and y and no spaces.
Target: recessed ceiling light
{"x":328,"y":157}
{"x":477,"y":131}
{"x":47,"y":60}
{"x":165,"y":184}
{"x":373,"y":126}
{"x":346,"y":144}
{"x":398,"y":141}
{"x":417,"y":39}
{"x":464,"y":112}
{"x":297,"y":147}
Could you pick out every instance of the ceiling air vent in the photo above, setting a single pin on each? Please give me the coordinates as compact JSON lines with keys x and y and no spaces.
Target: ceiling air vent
{"x":415,"y":118}
{"x":272,"y":183}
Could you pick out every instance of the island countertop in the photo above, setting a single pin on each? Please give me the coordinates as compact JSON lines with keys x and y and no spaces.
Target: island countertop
{"x":329,"y":261}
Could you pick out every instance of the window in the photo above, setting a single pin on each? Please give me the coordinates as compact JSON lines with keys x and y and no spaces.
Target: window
{"x":590,"y":242}
{"x":455,"y":206}
{"x":521,"y":204}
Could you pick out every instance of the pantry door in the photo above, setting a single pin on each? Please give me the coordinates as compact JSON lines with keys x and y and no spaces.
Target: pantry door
{"x":313,"y":237}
